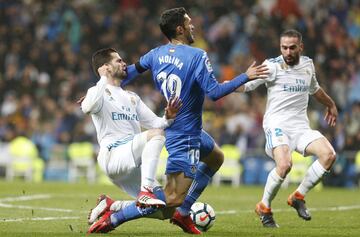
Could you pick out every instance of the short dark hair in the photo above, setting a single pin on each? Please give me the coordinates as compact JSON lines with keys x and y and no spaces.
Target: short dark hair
{"x":170,"y":19}
{"x":100,"y":57}
{"x":292,"y":33}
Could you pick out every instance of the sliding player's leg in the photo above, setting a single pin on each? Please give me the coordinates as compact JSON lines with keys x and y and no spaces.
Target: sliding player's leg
{"x":149,"y":162}
{"x":113,"y":218}
{"x":126,"y":173}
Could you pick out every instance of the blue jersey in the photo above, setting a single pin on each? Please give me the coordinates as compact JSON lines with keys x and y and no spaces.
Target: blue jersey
{"x":182,"y":71}
{"x":185,"y":72}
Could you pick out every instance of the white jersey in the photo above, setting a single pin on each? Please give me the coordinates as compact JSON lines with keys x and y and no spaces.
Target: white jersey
{"x":288,"y":89}
{"x":118,"y":114}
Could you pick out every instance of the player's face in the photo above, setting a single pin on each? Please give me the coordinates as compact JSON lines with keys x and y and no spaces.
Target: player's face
{"x":188,"y":29}
{"x":117,"y":67}
{"x":291,"y":49}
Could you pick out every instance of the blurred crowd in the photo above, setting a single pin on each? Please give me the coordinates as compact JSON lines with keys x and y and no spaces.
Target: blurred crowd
{"x":46,"y":47}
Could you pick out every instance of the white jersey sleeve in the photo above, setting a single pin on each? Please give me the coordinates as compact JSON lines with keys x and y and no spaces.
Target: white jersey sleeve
{"x":94,"y":97}
{"x":314,"y":85}
{"x":252,"y":85}
{"x":148,"y":119}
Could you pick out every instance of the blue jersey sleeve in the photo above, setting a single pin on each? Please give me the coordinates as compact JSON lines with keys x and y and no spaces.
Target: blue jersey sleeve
{"x":207,"y":81}
{"x":134,"y":70}
{"x":145,"y":61}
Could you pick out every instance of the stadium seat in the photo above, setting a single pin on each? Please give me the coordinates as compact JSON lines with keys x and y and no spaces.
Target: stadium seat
{"x":81,"y":161}
{"x":266,"y":166}
{"x":5,"y":160}
{"x":231,"y":169}
{"x":357,"y":164}
{"x":25,"y":161}
{"x":57,"y":165}
{"x":256,"y":169}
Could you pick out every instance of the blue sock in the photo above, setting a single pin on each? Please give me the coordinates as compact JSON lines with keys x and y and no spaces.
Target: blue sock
{"x":159,"y":193}
{"x":202,"y":178}
{"x":132,"y":212}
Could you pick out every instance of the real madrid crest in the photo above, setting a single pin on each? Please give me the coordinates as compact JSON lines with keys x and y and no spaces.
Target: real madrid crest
{"x":107,"y":91}
{"x":284,"y":66}
{"x":133,"y":101}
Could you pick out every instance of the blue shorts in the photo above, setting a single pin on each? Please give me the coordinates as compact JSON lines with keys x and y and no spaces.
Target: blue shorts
{"x":184,"y":152}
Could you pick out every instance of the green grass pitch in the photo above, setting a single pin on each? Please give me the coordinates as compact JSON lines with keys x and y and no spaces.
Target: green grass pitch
{"x":60,"y":209}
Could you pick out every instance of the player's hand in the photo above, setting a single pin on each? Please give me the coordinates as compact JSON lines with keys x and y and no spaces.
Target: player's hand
{"x":104,"y":70}
{"x":331,"y":115}
{"x":257,"y":72}
{"x":172,"y":108}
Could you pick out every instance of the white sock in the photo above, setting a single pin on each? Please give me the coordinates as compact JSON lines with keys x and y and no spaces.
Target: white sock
{"x":118,"y":205}
{"x":272,"y":186}
{"x":313,"y":176}
{"x":149,"y":161}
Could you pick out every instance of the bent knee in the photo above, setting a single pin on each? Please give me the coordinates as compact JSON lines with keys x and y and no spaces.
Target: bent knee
{"x":219,"y":159}
{"x":284,"y":168}
{"x":329,"y":157}
{"x":214,"y":160}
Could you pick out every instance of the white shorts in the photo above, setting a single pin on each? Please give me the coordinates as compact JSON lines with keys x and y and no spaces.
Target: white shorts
{"x":297,"y":139}
{"x":122,"y":164}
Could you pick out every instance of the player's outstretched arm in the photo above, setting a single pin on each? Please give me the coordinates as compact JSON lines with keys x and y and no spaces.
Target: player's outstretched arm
{"x":132,"y":73}
{"x":257,"y":72}
{"x":253,"y":72}
{"x":257,"y":76}
{"x":331,"y":110}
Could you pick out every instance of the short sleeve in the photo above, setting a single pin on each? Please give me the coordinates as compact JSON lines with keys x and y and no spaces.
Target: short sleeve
{"x":253,"y":84}
{"x":146,"y":60}
{"x":314,"y":85}
{"x":272,"y":70}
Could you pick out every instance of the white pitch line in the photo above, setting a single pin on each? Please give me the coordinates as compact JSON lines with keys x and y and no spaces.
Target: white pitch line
{"x":338,"y":208}
{"x":50,"y":218}
{"x":228,"y":212}
{"x":28,"y":198}
{"x":225,"y":212}
{"x":35,"y":208}
{"x":25,"y":198}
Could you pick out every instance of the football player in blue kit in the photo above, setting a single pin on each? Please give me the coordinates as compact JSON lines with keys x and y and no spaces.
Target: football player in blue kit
{"x":185,"y":72}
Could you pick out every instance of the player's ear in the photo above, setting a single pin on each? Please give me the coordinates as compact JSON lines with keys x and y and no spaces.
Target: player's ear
{"x":301,"y":47}
{"x":179,"y":30}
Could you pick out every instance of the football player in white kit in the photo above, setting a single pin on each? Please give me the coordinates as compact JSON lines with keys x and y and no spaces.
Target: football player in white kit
{"x":128,"y":156}
{"x":291,"y":80}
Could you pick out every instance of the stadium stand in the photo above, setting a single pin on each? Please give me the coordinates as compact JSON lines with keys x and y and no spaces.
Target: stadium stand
{"x":46,"y":46}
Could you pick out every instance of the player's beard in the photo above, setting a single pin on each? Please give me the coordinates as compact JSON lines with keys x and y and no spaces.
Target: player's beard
{"x":190,"y":38}
{"x":292,"y":60}
{"x":119,"y":74}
